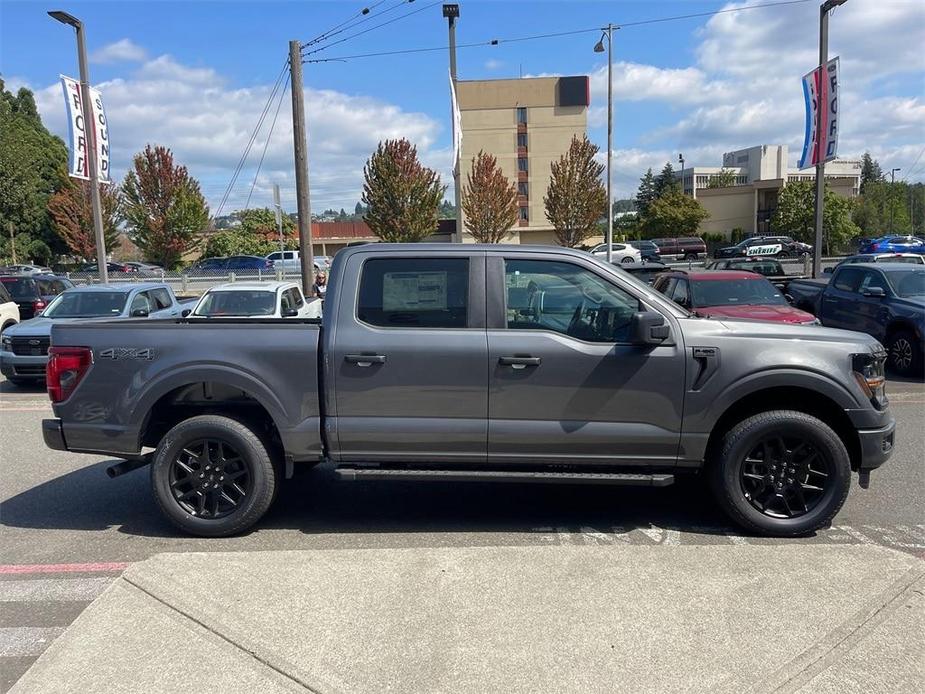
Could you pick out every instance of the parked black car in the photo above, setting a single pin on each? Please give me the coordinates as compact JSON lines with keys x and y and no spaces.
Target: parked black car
{"x":32,"y":293}
{"x":685,"y":247}
{"x":648,"y":250}
{"x":111,"y":268}
{"x":764,"y":246}
{"x":242,"y":264}
{"x":645,"y":271}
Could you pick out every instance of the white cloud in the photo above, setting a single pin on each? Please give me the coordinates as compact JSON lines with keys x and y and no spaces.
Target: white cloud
{"x":124,"y":50}
{"x":493,"y":64}
{"x":207,"y":124}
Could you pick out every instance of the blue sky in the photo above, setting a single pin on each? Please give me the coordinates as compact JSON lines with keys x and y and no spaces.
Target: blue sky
{"x":195,"y":75}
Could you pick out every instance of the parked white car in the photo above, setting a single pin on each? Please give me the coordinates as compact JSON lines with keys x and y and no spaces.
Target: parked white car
{"x":9,"y":309}
{"x":256,"y":300}
{"x":290,"y":261}
{"x":621,"y":252}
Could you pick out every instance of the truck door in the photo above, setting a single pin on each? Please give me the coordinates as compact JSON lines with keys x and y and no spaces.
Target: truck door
{"x":566,"y":386}
{"x":408,"y":358}
{"x":838,"y":304}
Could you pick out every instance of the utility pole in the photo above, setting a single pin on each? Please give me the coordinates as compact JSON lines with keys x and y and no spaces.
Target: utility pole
{"x":892,"y":188}
{"x":824,"y":10}
{"x":451,"y":12}
{"x":300,"y":143}
{"x":90,"y":134}
{"x":278,"y":210}
{"x":599,"y":48}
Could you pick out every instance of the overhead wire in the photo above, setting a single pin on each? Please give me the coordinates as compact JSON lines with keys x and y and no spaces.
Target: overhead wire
{"x":266,"y":144}
{"x":356,"y":20}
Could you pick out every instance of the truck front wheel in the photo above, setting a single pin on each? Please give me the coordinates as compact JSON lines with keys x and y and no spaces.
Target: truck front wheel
{"x":213,"y":476}
{"x":781,"y":473}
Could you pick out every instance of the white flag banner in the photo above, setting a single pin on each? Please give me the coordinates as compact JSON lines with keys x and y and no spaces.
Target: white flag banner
{"x":78,"y":165}
{"x":457,"y":123}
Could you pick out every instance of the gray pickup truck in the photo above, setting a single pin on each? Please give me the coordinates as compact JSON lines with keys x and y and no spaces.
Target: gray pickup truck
{"x":470,"y":362}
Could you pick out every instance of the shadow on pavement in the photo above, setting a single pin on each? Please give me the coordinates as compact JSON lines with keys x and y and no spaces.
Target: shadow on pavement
{"x":315,"y":502}
{"x":28,"y":388}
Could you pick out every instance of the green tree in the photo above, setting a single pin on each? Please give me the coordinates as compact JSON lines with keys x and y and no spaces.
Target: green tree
{"x":674,"y":214}
{"x":162,"y":206}
{"x":72,"y":215}
{"x":489,"y":200}
{"x":724,"y":179}
{"x":646,"y":193}
{"x":576,"y":198}
{"x":665,"y":181}
{"x":870,"y":172}
{"x":33,"y":165}
{"x":237,"y":242}
{"x":625,"y":205}
{"x":796,"y":216}
{"x":401,"y":194}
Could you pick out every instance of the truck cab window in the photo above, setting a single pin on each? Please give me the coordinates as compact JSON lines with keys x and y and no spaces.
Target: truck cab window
{"x":567,"y":299}
{"x":414,"y":292}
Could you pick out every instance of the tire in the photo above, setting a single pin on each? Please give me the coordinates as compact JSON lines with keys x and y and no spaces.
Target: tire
{"x":626,"y":260}
{"x":690,"y":256}
{"x":783,"y":255}
{"x":235,"y":451}
{"x":904,"y":353}
{"x":811,"y":445}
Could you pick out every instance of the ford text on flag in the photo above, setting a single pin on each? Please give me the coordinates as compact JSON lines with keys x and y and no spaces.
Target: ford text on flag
{"x":78,"y":166}
{"x":820,"y":87}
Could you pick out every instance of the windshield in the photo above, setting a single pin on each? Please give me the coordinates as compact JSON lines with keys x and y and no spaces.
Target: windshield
{"x":742,"y":292}
{"x":237,"y":303}
{"x":20,"y":287}
{"x":907,"y":283}
{"x":86,"y":305}
{"x":914,"y":260}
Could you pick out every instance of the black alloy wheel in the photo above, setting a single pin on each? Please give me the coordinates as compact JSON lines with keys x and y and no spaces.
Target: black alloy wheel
{"x":785,"y":476}
{"x":209,"y":479}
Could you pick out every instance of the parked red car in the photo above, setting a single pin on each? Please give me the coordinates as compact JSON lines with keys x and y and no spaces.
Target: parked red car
{"x":730,"y":294}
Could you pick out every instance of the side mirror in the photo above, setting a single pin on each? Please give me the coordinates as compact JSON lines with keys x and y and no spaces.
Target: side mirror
{"x":828,"y":270}
{"x":788,"y":298}
{"x":185,"y":312}
{"x":874,"y":292}
{"x":140,"y":313}
{"x":290,"y":312}
{"x":648,"y":328}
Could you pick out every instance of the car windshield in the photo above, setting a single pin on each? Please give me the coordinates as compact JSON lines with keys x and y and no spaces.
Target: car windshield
{"x":86,"y":305}
{"x":907,"y":283}
{"x":237,"y":303}
{"x":20,"y":287}
{"x":914,"y":260}
{"x":740,"y":292}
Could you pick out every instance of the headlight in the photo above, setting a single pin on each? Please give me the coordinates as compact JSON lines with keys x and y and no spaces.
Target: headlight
{"x":7,"y":341}
{"x":868,"y":371}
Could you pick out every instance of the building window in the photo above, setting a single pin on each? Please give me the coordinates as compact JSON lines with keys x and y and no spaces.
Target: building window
{"x":525,"y":213}
{"x":521,"y":139}
{"x":521,"y":114}
{"x":522,"y":164}
{"x":523,"y":188}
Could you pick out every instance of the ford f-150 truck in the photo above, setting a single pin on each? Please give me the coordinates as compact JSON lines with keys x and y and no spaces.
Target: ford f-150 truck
{"x":474,"y":362}
{"x":884,"y":300}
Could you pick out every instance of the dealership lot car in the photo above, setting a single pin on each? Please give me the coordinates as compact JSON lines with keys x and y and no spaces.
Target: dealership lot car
{"x":32,"y":293}
{"x":894,"y":244}
{"x":256,"y":300}
{"x":620,"y":252}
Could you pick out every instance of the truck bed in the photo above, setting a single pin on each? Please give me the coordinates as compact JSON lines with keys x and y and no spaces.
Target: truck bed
{"x":169,"y":365}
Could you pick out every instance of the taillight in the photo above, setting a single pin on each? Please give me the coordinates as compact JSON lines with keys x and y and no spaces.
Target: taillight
{"x":38,"y":305}
{"x":66,"y":366}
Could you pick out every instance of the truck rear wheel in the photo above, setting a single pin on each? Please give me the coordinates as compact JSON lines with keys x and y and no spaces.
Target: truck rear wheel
{"x":781,"y":473}
{"x":213,"y":476}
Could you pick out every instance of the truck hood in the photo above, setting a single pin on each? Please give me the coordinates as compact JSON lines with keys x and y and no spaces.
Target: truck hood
{"x":38,"y":327}
{"x":778,"y":314}
{"x":766,"y":331}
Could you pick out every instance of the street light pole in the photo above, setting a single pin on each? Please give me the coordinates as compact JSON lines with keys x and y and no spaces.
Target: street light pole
{"x":451,"y":12}
{"x":599,"y":48}
{"x":824,"y":10}
{"x":90,"y":134}
{"x":892,"y":188}
{"x":681,"y":159}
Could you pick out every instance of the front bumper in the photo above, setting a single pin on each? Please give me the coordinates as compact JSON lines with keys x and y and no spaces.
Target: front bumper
{"x":876,"y":446}
{"x":20,"y":366}
{"x":53,"y":434}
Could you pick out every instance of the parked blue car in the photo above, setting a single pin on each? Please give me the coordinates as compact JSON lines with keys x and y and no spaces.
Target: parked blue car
{"x":24,"y":347}
{"x":893,"y":244}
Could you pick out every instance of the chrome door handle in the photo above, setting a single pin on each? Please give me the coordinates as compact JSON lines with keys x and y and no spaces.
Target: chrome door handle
{"x":519,"y":362}
{"x":364,"y":359}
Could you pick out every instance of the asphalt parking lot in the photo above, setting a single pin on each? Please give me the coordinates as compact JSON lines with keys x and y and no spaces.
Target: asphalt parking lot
{"x":68,"y":530}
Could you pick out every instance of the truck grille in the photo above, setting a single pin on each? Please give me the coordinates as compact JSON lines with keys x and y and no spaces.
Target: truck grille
{"x":31,"y":346}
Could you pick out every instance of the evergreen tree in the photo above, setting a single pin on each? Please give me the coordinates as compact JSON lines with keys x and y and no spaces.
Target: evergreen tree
{"x":665,"y":181}
{"x":646,"y":193}
{"x":870,"y":171}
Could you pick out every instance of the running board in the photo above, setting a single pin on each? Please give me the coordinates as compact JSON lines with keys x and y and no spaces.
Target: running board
{"x":622,"y":478}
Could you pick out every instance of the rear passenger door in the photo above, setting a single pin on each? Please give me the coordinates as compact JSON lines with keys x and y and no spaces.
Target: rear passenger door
{"x":409,"y":360}
{"x":839,"y":299}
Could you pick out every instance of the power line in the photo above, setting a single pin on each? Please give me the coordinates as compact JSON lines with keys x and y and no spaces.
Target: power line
{"x":558,"y":34}
{"x":253,"y":137}
{"x":266,"y":144}
{"x":911,"y":169}
{"x":375,"y":26}
{"x":356,"y":20}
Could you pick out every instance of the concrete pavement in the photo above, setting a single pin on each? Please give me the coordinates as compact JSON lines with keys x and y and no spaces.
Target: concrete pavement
{"x":502,"y":619}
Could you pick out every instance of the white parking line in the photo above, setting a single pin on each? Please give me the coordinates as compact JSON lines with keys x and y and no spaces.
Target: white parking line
{"x":48,"y":589}
{"x":27,"y":641}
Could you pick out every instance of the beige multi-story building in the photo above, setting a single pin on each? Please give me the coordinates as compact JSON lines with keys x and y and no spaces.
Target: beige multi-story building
{"x":760,"y":174}
{"x":526,"y":124}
